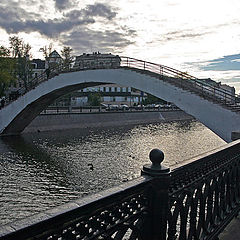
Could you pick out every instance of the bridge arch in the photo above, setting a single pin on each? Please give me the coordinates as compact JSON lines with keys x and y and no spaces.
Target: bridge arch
{"x":17,"y":115}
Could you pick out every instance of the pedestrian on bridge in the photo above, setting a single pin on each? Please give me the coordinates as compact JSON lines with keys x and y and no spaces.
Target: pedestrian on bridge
{"x":2,"y":103}
{"x":47,"y":72}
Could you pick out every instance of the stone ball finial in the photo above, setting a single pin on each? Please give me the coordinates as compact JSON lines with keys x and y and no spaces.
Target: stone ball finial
{"x":156,"y":156}
{"x":156,"y":169}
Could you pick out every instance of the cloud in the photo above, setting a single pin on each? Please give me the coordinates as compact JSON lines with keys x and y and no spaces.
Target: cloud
{"x":91,"y":11}
{"x":100,"y":10}
{"x":63,"y":4}
{"x":72,"y":26}
{"x":183,"y":34}
{"x":11,"y":15}
{"x":86,"y":40}
{"x":225,"y":63}
{"x":50,"y":28}
{"x":16,"y":20}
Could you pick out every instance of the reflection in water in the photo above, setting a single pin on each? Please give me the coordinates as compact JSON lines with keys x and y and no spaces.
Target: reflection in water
{"x":43,"y":170}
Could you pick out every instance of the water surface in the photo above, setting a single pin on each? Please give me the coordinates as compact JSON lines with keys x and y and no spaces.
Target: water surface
{"x":40,"y":171}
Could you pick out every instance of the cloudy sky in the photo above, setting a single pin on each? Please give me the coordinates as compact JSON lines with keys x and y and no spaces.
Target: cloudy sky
{"x":200,"y":37}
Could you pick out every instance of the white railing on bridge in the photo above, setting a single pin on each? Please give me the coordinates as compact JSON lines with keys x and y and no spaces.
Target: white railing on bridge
{"x":169,"y":74}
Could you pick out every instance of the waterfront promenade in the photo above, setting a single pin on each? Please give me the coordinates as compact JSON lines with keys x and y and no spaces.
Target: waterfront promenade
{"x":78,"y":118}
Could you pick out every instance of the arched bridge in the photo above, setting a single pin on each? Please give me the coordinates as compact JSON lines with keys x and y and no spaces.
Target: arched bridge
{"x":215,"y":108}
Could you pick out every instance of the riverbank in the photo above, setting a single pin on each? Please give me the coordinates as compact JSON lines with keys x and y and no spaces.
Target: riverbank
{"x":50,"y":122}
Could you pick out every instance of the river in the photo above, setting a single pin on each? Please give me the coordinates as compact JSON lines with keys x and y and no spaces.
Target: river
{"x":42,"y":170}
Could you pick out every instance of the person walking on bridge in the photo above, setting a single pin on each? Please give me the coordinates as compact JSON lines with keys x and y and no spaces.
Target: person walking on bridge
{"x":47,"y":72}
{"x":2,"y":103}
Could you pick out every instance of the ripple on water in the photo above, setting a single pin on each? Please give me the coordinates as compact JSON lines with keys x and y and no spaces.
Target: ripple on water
{"x":48,"y":169}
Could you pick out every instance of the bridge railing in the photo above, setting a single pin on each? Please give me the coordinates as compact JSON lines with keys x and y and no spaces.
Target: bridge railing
{"x":169,"y":74}
{"x":194,"y":201}
{"x":34,"y":82}
{"x":100,"y":109}
{"x":182,"y":79}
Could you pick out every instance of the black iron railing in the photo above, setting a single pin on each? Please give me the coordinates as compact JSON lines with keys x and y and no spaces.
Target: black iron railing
{"x":194,"y":201}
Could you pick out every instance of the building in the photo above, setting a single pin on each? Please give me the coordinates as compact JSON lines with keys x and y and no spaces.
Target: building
{"x":97,"y":60}
{"x":53,"y":59}
{"x":38,"y":67}
{"x":222,"y":91}
{"x":110,"y":94}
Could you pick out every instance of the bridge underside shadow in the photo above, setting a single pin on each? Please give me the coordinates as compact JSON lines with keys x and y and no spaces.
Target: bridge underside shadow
{"x":22,"y":111}
{"x":26,"y":116}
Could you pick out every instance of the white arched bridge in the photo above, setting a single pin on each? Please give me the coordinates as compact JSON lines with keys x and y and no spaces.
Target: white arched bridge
{"x":215,"y":108}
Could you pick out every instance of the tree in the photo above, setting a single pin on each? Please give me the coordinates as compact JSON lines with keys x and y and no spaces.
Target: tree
{"x":94,"y":99}
{"x":21,"y":53}
{"x":7,"y":70}
{"x":67,"y":58}
{"x":46,"y":50}
{"x":18,"y":47}
{"x":152,"y":99}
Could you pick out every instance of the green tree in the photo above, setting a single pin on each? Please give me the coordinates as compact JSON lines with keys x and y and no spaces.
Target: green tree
{"x":94,"y":99}
{"x":7,"y":70}
{"x":21,"y":53}
{"x":67,"y":58}
{"x":152,"y":99}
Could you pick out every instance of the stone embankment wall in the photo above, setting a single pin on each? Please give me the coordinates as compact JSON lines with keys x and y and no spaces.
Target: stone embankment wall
{"x":48,"y":122}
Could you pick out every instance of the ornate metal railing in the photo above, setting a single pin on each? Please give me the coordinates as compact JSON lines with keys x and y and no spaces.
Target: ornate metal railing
{"x":176,"y":77}
{"x":205,"y":195}
{"x":194,"y":201}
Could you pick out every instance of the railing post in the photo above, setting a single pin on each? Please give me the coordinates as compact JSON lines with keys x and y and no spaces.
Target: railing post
{"x":159,"y":199}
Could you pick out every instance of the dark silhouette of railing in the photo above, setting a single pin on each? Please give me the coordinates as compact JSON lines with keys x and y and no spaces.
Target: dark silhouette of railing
{"x":100,"y":109}
{"x":171,"y":75}
{"x":194,"y":201}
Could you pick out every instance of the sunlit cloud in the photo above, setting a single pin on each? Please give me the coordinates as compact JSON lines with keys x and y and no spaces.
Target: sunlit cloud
{"x":105,"y":41}
{"x":200,"y":37}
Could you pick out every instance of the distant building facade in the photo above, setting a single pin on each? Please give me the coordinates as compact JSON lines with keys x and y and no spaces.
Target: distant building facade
{"x":110,"y":94}
{"x":97,"y":60}
{"x":223,"y":91}
{"x":38,"y":67}
{"x":53,"y":59}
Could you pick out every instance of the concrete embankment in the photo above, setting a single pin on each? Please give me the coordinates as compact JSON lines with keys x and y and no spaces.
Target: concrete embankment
{"x":48,"y":122}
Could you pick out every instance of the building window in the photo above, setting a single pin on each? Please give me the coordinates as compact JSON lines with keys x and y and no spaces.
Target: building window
{"x":104,"y":89}
{"x":115,"y":89}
